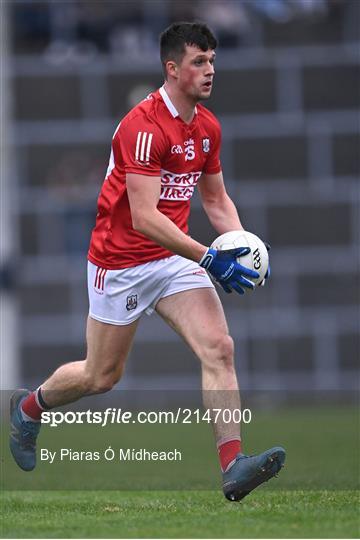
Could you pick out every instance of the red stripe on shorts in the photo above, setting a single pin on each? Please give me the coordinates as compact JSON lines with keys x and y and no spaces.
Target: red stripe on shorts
{"x":100,"y":278}
{"x":96,"y":278}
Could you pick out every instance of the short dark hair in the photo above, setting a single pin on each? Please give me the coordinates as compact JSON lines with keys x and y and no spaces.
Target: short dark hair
{"x":179,"y":34}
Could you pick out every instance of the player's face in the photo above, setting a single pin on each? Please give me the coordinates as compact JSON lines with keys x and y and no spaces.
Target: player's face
{"x":196,"y":72}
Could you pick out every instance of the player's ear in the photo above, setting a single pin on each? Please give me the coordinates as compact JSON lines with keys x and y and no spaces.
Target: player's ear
{"x":172,"y":68}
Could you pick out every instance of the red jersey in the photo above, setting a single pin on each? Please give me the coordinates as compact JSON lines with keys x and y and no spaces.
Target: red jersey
{"x":152,"y":140}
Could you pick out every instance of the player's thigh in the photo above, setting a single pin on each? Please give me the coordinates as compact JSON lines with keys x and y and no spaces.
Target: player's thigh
{"x":198,"y":316}
{"x":108,"y":346}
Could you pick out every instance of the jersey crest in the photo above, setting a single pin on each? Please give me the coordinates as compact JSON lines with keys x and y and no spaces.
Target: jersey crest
{"x":206,"y":144}
{"x":153,"y":142}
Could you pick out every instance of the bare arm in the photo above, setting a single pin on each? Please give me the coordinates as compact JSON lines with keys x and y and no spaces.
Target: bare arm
{"x":217,"y":204}
{"x":144,"y":193}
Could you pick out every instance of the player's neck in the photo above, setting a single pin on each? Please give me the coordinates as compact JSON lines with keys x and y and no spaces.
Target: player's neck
{"x":184,"y":106}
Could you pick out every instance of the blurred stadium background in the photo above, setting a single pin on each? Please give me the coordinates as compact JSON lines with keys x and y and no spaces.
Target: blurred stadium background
{"x":287,"y":93}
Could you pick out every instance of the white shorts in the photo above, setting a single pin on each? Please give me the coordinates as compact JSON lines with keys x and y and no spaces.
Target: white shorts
{"x":122,"y":296}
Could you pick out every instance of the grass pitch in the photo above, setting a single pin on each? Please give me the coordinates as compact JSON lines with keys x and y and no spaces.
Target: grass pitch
{"x":315,"y":496}
{"x":186,"y":514}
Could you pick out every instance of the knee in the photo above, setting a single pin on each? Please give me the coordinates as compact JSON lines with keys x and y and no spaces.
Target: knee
{"x":221,"y":352}
{"x":100,"y":383}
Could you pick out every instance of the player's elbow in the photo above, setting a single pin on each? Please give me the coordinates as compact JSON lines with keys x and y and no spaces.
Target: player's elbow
{"x":140,"y":222}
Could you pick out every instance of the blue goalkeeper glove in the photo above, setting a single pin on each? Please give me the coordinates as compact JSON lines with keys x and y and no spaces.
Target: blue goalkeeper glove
{"x":225,"y":269}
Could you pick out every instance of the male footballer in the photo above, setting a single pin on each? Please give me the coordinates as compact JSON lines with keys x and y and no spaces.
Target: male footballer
{"x":142,"y":259}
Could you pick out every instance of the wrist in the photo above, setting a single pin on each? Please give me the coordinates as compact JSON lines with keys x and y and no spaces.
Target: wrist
{"x":207,"y":258}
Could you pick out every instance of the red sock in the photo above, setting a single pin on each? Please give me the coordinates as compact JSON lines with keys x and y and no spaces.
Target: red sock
{"x":228,"y":451}
{"x":31,"y":409}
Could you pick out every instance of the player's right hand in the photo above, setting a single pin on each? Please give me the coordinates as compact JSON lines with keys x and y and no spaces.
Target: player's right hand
{"x":225,"y":269}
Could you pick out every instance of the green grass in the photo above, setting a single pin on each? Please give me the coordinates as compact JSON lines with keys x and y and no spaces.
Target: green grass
{"x":206,"y":514}
{"x":315,"y":496}
{"x":317,"y":441}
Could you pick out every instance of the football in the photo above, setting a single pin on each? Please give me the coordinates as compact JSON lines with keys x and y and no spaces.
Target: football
{"x":257,"y":259}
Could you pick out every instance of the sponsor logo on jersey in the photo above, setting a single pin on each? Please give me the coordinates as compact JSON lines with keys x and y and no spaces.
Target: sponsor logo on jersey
{"x":178,"y":187}
{"x":206,"y":144}
{"x":143,"y":147}
{"x":131,"y":302}
{"x":189,"y":142}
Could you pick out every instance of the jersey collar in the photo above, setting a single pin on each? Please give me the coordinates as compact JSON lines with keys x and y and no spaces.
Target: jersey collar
{"x":169,"y":104}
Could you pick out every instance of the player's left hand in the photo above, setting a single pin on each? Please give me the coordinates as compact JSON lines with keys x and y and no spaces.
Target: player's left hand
{"x":268,"y":271}
{"x":224,"y":267}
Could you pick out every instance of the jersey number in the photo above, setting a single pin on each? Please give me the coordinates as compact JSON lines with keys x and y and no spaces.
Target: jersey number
{"x":189,"y":152}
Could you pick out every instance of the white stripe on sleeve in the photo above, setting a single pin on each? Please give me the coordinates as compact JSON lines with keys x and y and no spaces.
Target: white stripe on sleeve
{"x":148,"y":147}
{"x":143,"y":142}
{"x":138,"y":145}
